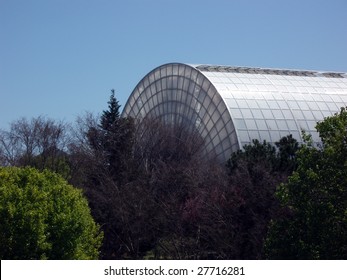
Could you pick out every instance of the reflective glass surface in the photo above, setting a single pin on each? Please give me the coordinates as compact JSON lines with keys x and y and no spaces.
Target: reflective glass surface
{"x":281,"y":102}
{"x":230,"y":106}
{"x":181,"y":94}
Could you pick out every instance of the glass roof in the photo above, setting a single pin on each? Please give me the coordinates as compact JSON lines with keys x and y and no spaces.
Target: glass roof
{"x":277,"y":102}
{"x":230,"y":106}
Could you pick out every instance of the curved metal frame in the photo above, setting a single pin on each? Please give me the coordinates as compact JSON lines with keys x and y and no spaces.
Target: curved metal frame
{"x":230,"y":106}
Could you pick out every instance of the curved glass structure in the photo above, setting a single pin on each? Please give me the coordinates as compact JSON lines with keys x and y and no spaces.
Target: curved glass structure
{"x":230,"y":106}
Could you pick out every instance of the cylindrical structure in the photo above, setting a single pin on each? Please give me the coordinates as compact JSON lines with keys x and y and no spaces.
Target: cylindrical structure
{"x":230,"y":106}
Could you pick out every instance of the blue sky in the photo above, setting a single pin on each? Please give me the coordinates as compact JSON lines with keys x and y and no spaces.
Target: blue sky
{"x":60,"y":58}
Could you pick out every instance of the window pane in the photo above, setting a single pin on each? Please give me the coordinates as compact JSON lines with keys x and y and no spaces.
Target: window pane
{"x":251,"y":124}
{"x":282,"y":124}
{"x":257,"y":114}
{"x":247,"y":114}
{"x":291,"y":125}
{"x":271,"y":125}
{"x":261,"y":124}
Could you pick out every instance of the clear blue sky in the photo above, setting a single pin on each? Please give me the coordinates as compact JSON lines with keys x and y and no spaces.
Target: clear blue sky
{"x":60,"y":58}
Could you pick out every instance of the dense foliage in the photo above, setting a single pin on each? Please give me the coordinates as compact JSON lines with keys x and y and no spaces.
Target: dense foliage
{"x":315,"y":199}
{"x":42,"y":217}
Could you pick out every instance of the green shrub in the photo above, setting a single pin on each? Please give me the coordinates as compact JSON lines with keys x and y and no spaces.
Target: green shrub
{"x":42,"y":217}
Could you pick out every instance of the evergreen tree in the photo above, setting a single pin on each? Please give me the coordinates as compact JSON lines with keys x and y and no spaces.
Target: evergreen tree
{"x":108,"y":172}
{"x":112,"y":141}
{"x":111,"y":116}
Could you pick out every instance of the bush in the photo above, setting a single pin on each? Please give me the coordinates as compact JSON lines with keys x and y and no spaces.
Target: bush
{"x":42,"y":217}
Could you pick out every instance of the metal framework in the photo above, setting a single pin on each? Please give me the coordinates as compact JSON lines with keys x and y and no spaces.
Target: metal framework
{"x":230,"y":106}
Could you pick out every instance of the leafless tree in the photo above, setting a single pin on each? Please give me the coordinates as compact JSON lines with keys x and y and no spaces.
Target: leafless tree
{"x":37,"y":142}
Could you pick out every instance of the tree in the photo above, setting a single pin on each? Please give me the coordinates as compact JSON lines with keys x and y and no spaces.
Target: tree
{"x":111,"y":116}
{"x":254,"y":174}
{"x":112,"y":141}
{"x":42,"y":217}
{"x":201,"y":213}
{"x":41,"y":143}
{"x":315,"y":199}
{"x":280,"y":160}
{"x":177,"y":176}
{"x":103,"y":154}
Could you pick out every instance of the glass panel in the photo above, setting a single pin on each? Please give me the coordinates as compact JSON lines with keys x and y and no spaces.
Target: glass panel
{"x":221,"y":106}
{"x":206,"y":85}
{"x":163,"y":84}
{"x":146,"y":107}
{"x":252,"y":103}
{"x":219,"y":125}
{"x":209,"y":125}
{"x":296,"y":135}
{"x":236,"y":113}
{"x":243,"y":135}
{"x":287,"y":114}
{"x":308,"y":115}
{"x":262,"y":104}
{"x":271,"y":125}
{"x":226,"y":117}
{"x":226,"y":143}
{"x":261,"y":124}
{"x":207,"y":102}
{"x":242,"y":103}
{"x":268,"y":114}
{"x":312,"y":106}
{"x":175,"y":69}
{"x":233,"y":138}
{"x":215,"y":97}
{"x":213,"y":131}
{"x":153,"y":89}
{"x":240,"y":123}
{"x":283,"y":104}
{"x":318,"y":115}
{"x":326,"y":113}
{"x":253,"y":134}
{"x":185,"y":85}
{"x":326,"y":98}
{"x":265,"y":135}
{"x":291,"y":125}
{"x":163,"y":71}
{"x":231,"y":103}
{"x":219,"y":149}
{"x":303,"y":105}
{"x":311,"y":125}
{"x":298,"y":114}
{"x":273,"y":104}
{"x":180,"y":81}
{"x":303,"y":125}
{"x":194,"y":75}
{"x":216,"y":140}
{"x":247,"y":113}
{"x":251,"y":124}
{"x":293,"y":105}
{"x":333,"y":107}
{"x":277,"y":114}
{"x":282,"y":124}
{"x":275,"y":136}
{"x":175,"y":82}
{"x":257,"y":114}
{"x":215,"y":116}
